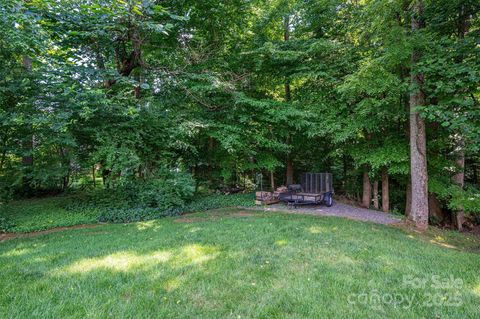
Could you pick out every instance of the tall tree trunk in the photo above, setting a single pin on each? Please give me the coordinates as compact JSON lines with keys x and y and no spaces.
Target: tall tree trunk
{"x":375,"y":195}
{"x":27,"y":160}
{"x":288,"y":97}
{"x":459,"y":178}
{"x":418,"y":140}
{"x":28,"y":142}
{"x":385,"y":191}
{"x":367,"y":190}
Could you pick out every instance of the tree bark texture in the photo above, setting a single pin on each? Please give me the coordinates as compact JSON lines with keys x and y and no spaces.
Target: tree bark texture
{"x":418,"y":139}
{"x":376,"y":203}
{"x":385,"y":191}
{"x":459,"y":177}
{"x":367,"y":190}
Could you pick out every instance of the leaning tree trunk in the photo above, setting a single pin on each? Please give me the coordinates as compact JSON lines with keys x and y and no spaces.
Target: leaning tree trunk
{"x":418,"y":140}
{"x":367,"y":190}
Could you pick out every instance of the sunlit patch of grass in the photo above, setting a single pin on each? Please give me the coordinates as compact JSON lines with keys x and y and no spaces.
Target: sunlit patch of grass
{"x":195,"y":229}
{"x":172,"y":284}
{"x":476,"y":290}
{"x":443,"y":244}
{"x":147,"y":225}
{"x":315,"y":230}
{"x":196,"y":254}
{"x":281,"y":242}
{"x":446,"y":239}
{"x":16,"y":252}
{"x":121,"y":261}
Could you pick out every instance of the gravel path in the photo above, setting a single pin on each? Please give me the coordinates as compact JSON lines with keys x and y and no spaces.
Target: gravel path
{"x":340,"y":210}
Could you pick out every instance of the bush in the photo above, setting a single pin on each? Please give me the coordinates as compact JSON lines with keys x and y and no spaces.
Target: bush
{"x":136,"y":200}
{"x":165,"y":193}
{"x":129,"y":215}
{"x":6,"y":224}
{"x":170,"y":190}
{"x":6,"y":188}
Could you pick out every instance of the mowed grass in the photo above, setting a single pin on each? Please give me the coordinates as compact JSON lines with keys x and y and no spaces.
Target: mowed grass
{"x":240,"y":264}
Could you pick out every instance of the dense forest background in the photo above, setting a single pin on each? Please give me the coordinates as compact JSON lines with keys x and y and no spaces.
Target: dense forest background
{"x":159,"y":100}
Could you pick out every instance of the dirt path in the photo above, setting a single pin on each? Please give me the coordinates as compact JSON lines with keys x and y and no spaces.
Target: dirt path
{"x":340,"y":210}
{"x":8,"y":236}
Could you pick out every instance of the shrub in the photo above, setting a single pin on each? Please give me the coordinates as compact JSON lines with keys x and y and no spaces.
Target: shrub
{"x":7,"y":188}
{"x":137,"y":200}
{"x":129,"y":215}
{"x":6,"y":224}
{"x":166,"y":193}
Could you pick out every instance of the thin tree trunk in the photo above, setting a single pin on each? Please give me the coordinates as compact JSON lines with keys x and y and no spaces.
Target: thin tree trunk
{"x":137,"y":91}
{"x":418,"y":140}
{"x":286,"y":28}
{"x":475,"y":173}
{"x":27,"y":160}
{"x":211,"y":146}
{"x":367,"y":190}
{"x":289,"y":171}
{"x":459,"y":178}
{"x":385,"y":191}
{"x":272,"y":181}
{"x":375,"y":195}
{"x":65,"y":162}
{"x":93,"y":177}
{"x":288,"y":97}
{"x":2,"y":158}
{"x":408,"y":201}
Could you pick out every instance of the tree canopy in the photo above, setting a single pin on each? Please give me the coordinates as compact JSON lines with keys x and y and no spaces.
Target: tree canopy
{"x":223,"y":90}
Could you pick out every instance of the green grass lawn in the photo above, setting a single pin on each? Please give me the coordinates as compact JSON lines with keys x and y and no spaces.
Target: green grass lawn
{"x":237,"y":264}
